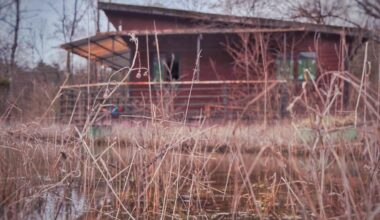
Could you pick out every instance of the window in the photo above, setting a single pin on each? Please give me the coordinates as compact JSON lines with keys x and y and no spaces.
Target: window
{"x":284,"y":67}
{"x":166,"y":68}
{"x":307,"y":61}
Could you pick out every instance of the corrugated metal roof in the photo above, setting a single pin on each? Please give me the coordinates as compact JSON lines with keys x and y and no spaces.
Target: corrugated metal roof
{"x":237,"y":21}
{"x":108,"y":48}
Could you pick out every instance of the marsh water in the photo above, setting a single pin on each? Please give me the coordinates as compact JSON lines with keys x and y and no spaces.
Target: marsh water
{"x":225,"y":194}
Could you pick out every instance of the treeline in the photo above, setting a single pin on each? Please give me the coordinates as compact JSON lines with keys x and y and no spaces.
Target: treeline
{"x":29,"y":90}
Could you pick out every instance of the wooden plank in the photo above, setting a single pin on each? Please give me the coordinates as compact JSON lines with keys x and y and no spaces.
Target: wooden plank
{"x":211,"y":31}
{"x":172,"y":83}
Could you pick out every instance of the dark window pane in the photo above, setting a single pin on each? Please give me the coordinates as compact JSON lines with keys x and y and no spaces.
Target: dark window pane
{"x":169,"y":68}
{"x":284,"y":67}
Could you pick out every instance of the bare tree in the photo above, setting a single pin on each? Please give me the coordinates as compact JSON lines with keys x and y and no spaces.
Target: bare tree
{"x":10,"y":17}
{"x":195,"y":5}
{"x":318,"y":11}
{"x":37,"y":37}
{"x":241,"y":7}
{"x":15,"y":36}
{"x":4,"y":5}
{"x":68,"y":23}
{"x":370,"y":7}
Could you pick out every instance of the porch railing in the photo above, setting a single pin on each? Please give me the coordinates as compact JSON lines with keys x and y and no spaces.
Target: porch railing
{"x":190,"y":100}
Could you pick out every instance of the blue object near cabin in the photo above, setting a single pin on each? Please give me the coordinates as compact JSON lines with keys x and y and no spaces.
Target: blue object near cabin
{"x":116,"y":111}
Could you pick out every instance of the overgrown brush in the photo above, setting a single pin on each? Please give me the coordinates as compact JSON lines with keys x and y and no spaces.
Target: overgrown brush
{"x":166,"y":172}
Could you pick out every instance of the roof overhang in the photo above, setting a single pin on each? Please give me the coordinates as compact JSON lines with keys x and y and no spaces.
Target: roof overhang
{"x":109,"y":49}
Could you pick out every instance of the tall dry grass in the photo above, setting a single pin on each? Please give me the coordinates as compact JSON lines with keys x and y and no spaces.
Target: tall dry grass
{"x":159,"y":170}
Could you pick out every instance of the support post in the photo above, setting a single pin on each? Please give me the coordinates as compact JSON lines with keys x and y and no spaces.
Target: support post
{"x":198,"y":69}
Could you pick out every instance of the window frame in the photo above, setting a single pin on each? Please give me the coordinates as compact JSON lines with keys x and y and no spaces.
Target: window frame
{"x":306,"y":57}
{"x":166,"y":74}
{"x":285,"y":70}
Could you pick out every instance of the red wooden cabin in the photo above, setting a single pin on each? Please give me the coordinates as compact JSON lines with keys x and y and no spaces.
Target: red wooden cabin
{"x":202,"y":65}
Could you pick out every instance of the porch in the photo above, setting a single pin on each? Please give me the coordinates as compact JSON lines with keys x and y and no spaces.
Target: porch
{"x":175,"y":101}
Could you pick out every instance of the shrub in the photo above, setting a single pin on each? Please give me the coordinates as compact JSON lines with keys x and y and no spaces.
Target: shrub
{"x":4,"y":82}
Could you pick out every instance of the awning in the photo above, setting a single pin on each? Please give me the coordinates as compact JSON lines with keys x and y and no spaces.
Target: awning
{"x":108,"y":49}
{"x":111,"y":49}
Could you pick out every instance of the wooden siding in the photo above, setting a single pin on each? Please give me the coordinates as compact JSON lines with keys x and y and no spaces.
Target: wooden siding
{"x":212,"y":47}
{"x":217,"y":64}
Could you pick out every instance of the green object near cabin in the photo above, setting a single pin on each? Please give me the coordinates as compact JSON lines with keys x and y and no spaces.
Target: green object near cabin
{"x":4,"y":82}
{"x":97,"y":131}
{"x":309,"y":135}
{"x":307,"y":60}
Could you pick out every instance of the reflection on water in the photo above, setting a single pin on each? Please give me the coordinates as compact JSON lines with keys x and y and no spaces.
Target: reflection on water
{"x":60,"y":203}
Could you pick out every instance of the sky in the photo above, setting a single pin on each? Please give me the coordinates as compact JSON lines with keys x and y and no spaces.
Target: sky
{"x":42,"y":18}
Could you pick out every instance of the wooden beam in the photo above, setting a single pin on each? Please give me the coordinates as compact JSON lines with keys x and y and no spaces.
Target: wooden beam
{"x":210,"y":31}
{"x":212,"y":82}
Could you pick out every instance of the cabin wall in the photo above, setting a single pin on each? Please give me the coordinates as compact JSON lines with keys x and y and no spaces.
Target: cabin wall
{"x":326,"y":47}
{"x":185,"y":48}
{"x":328,"y":53}
{"x":217,"y":64}
{"x":212,"y":100}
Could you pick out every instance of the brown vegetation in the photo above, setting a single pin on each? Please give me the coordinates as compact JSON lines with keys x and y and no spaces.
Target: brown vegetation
{"x":319,"y":166}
